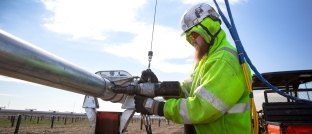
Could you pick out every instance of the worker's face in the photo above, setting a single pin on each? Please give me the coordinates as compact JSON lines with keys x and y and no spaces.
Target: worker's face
{"x":200,"y":45}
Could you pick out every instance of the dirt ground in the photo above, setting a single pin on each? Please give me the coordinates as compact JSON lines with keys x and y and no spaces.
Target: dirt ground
{"x":83,"y":128}
{"x":164,"y":128}
{"x":77,"y":128}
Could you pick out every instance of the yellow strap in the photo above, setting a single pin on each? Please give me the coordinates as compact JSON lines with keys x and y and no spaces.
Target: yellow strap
{"x":252,"y":106}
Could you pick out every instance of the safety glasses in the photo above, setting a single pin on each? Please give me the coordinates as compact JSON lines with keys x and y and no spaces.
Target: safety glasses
{"x":191,"y":37}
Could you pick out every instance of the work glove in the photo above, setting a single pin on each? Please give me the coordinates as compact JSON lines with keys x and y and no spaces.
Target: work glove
{"x":149,"y":106}
{"x":165,"y":88}
{"x":148,"y":76}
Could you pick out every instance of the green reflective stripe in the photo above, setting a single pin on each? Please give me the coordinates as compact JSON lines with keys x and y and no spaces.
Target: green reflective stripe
{"x":239,"y":108}
{"x":212,"y":99}
{"x":184,"y":112}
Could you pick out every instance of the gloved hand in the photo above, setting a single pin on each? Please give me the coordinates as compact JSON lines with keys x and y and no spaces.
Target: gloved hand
{"x":165,"y":88}
{"x":148,"y":76}
{"x":148,"y":106}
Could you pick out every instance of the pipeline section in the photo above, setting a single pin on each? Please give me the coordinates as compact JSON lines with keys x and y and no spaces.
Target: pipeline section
{"x":23,"y":60}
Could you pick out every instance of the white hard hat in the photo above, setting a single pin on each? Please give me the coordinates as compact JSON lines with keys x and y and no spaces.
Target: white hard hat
{"x":197,"y":14}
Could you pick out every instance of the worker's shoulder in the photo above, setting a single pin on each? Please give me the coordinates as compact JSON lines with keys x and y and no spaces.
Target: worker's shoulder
{"x":224,"y":53}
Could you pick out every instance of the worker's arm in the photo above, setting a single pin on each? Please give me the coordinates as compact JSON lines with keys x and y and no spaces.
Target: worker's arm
{"x":220,"y":86}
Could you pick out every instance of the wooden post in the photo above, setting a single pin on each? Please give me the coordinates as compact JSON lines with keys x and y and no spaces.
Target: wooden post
{"x":18,"y":124}
{"x":12,"y":121}
{"x":141,"y":124}
{"x":52,"y":123}
{"x":65,"y":120}
{"x":38,"y":119}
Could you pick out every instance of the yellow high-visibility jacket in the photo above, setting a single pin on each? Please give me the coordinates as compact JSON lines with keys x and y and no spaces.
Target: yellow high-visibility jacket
{"x":216,"y":99}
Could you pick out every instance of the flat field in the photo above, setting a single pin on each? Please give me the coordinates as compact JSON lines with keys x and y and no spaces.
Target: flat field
{"x":82,"y":127}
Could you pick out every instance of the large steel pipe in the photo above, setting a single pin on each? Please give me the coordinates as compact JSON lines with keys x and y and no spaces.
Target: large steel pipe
{"x":22,"y":60}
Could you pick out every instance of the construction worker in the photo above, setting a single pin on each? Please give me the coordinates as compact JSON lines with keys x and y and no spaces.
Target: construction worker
{"x":215,"y":99}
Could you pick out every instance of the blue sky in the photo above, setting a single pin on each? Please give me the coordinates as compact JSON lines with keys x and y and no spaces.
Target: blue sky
{"x":106,"y":35}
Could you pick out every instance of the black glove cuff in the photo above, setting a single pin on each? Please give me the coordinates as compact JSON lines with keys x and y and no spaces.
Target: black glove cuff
{"x":161,"y":108}
{"x":148,"y":76}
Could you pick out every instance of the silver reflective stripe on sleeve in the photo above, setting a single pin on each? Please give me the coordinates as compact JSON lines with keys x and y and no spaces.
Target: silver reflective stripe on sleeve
{"x":184,"y":112}
{"x":212,"y":99}
{"x":239,"y":108}
{"x":233,"y":52}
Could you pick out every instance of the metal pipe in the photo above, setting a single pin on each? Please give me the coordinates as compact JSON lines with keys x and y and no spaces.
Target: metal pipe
{"x":11,"y":112}
{"x":22,"y":60}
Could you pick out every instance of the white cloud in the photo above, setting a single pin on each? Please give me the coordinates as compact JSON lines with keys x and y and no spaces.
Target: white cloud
{"x":9,"y":95}
{"x":167,"y":45}
{"x":196,"y":1}
{"x":211,"y":2}
{"x":221,"y":3}
{"x":8,"y":79}
{"x":237,"y":1}
{"x":91,"y":18}
{"x":95,"y":19}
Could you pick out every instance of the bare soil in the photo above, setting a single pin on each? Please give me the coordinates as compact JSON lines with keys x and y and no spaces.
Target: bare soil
{"x":76,"y":128}
{"x":163,"y":128}
{"x":83,"y":128}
